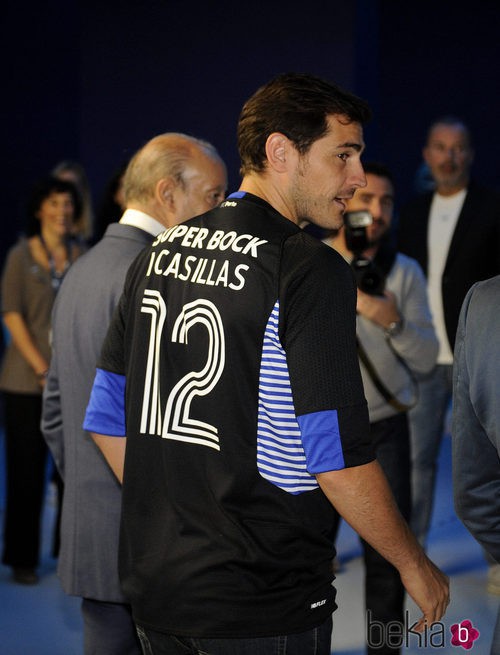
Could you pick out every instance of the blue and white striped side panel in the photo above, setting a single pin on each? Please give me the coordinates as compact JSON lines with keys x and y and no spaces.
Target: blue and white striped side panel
{"x":280,"y":456}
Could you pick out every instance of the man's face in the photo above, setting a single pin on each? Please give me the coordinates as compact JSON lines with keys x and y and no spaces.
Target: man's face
{"x":377,"y":197}
{"x":449,"y":157}
{"x":205,"y":184}
{"x":328,"y":174}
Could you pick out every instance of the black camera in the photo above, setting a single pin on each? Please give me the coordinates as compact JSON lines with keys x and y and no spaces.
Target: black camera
{"x":369,"y":277}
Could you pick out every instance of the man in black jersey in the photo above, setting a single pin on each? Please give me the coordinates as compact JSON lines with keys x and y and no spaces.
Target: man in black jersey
{"x":241,"y":428}
{"x":172,"y":177}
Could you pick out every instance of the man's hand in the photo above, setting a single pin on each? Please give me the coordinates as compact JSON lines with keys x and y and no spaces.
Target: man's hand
{"x":429,"y":588}
{"x":362,"y":495}
{"x":381,"y":310}
{"x":113,"y":449}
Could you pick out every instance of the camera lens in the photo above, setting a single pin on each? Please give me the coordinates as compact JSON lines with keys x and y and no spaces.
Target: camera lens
{"x":368,"y":277}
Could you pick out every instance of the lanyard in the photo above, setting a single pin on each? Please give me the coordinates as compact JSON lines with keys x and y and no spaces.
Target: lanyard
{"x":56,"y":277}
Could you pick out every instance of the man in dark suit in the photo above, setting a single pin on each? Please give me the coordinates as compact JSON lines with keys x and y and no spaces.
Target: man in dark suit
{"x":454,"y":233}
{"x":172,"y":178}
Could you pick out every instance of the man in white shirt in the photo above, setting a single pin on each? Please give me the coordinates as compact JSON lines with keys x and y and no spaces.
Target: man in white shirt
{"x":454,"y":233}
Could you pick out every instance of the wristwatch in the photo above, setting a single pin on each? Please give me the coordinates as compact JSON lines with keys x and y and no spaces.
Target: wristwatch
{"x":394,"y":328}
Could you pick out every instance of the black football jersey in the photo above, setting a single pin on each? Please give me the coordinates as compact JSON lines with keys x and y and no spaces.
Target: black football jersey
{"x":231,"y":366}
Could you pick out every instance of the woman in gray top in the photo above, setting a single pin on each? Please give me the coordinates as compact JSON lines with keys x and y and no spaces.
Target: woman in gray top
{"x":33,"y":272}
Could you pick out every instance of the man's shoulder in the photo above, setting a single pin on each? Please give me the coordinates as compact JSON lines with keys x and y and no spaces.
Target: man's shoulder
{"x":105,"y":264}
{"x":484,"y":196}
{"x":117,"y":245}
{"x":311,"y":264}
{"x":486,"y":293}
{"x":407,"y":263}
{"x":311,"y":251}
{"x":480,"y":319}
{"x":419,"y":203}
{"x":125,"y":232}
{"x":406,"y":275}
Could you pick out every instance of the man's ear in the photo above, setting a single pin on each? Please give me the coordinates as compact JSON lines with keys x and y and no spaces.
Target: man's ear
{"x":164,"y":191}
{"x":278,"y":150}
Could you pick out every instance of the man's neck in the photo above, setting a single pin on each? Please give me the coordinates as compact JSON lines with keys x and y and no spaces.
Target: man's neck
{"x":446,"y":191}
{"x":261,"y":186}
{"x":142,"y":220}
{"x":338,"y":242}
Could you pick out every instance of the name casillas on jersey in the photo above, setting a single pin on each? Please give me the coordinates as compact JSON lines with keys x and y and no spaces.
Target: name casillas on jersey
{"x":231,"y":366}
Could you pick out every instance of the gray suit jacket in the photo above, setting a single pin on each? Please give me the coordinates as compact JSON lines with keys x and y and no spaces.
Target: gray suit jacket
{"x":476,"y":415}
{"x":92,"y":496}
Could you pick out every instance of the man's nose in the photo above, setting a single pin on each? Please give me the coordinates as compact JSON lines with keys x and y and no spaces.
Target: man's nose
{"x":376,"y":210}
{"x":358,"y":177}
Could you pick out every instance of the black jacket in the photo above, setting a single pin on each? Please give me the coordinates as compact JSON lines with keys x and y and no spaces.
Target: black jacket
{"x":474,"y":252}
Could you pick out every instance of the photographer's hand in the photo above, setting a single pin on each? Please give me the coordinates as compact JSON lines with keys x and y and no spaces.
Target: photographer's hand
{"x":381,"y":310}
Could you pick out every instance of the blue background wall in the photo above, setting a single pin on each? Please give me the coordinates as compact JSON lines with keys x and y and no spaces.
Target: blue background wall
{"x":93,"y":81}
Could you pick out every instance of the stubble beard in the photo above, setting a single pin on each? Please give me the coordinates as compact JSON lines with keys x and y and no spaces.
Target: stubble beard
{"x":325,"y":214}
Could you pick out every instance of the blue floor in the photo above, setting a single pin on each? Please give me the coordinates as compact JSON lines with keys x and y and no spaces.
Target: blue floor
{"x":42,"y":620}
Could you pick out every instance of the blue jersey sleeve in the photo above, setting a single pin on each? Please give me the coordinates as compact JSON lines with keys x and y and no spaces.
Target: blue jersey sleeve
{"x":318,"y":333}
{"x":106,"y":409}
{"x":321,"y":441}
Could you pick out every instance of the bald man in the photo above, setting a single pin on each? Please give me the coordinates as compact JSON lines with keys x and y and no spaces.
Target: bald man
{"x":172,"y":178}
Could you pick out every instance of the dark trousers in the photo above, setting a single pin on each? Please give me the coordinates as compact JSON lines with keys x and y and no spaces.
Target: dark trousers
{"x":384,"y":591}
{"x":26,"y":461}
{"x":313,"y":642}
{"x":108,"y":629}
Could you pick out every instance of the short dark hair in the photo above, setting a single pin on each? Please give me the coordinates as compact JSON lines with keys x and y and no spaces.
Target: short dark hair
{"x":379,"y":169}
{"x":41,"y":190}
{"x":451,"y":121}
{"x":297,"y":105}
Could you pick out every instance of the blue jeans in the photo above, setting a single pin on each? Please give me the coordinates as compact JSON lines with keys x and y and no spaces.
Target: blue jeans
{"x":384,"y":591}
{"x":426,"y":431}
{"x":313,"y":642}
{"x":108,"y":629}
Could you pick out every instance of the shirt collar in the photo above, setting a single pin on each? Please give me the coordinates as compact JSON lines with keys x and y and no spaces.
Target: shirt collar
{"x":143,"y":221}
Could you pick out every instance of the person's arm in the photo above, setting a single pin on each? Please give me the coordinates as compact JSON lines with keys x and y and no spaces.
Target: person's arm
{"x":333,"y":418}
{"x":14,"y":279}
{"x":416,"y":342}
{"x":52,"y":424}
{"x":113,"y":449}
{"x":362,"y":496}
{"x":105,"y":413}
{"x":381,"y":310}
{"x":105,"y":419}
{"x":22,"y":339}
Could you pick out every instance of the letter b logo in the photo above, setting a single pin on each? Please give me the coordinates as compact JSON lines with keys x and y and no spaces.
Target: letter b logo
{"x":464,"y":634}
